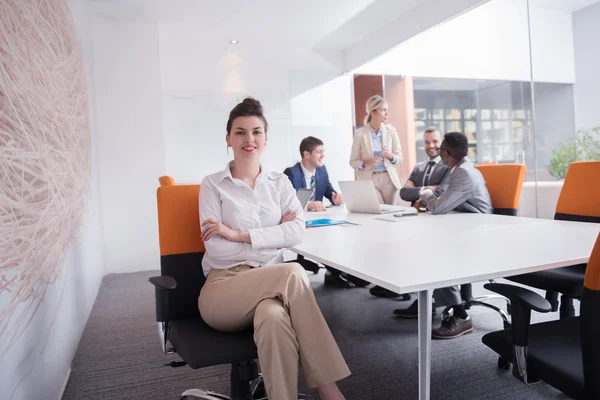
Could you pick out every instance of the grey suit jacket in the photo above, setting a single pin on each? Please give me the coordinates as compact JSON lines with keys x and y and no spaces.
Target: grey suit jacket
{"x":466,"y":192}
{"x":440,"y":176}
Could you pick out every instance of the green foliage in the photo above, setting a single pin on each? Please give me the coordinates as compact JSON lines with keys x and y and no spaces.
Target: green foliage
{"x":584,"y":146}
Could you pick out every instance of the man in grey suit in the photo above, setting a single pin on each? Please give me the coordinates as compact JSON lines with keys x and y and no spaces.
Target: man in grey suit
{"x":431,"y":174}
{"x":466,"y":192}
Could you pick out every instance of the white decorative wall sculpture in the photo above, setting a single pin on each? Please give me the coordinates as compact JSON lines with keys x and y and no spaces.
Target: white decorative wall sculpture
{"x":44,"y":153}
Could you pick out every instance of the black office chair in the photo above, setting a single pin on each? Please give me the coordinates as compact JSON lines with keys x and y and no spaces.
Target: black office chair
{"x":564,"y":353}
{"x":578,"y":201}
{"x":181,"y":327}
{"x":504,"y":182}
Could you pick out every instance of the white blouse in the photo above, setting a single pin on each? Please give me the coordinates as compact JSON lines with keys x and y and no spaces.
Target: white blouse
{"x":257,"y":211}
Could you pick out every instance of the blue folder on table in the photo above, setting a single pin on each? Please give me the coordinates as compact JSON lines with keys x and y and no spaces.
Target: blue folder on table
{"x":324,"y":222}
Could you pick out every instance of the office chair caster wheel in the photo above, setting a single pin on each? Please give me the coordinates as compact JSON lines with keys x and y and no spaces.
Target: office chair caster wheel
{"x":503,"y":363}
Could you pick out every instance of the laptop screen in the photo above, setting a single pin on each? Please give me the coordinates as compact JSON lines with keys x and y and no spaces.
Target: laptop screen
{"x":304,"y":196}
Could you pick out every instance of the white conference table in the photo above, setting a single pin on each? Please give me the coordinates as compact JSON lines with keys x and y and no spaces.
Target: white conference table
{"x":426,"y":252}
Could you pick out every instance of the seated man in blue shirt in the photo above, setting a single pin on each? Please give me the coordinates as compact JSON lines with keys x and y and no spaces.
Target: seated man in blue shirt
{"x":310,"y":173}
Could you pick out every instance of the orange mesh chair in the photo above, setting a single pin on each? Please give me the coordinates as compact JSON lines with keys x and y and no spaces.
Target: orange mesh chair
{"x":564,"y":353}
{"x":504,"y":182}
{"x":579,"y":200}
{"x":181,"y":327}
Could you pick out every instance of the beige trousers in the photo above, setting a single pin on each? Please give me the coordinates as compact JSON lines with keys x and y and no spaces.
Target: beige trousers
{"x":386,"y":191}
{"x":288,"y":325}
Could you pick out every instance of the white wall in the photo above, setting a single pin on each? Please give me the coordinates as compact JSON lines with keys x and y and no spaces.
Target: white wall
{"x":586,"y":33}
{"x":130,"y":140}
{"x":489,"y":42}
{"x":38,"y":364}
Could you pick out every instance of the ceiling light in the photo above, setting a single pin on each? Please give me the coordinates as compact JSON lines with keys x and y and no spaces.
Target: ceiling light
{"x":234,"y":42}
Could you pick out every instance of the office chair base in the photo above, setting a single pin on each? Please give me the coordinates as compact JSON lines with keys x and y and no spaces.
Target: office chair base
{"x":202,"y":394}
{"x":199,"y":394}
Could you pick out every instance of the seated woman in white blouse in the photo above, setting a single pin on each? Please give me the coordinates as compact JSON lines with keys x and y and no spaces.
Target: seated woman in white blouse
{"x":248,"y":216}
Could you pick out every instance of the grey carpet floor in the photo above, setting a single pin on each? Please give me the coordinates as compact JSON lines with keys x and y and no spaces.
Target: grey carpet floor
{"x":119,"y":355}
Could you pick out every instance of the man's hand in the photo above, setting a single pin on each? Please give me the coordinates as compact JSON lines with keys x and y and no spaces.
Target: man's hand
{"x":387,"y":153}
{"x":337,"y":199}
{"x":370,"y":163}
{"x":432,"y":188}
{"x":420,"y":206}
{"x":409,"y":184}
{"x":288,"y":216}
{"x":315,"y":206}
{"x":212,"y":227}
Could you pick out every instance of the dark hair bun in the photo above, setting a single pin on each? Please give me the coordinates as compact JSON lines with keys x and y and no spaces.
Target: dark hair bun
{"x":254,"y":105}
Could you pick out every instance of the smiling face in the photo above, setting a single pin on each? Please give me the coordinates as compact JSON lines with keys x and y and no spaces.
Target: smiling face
{"x":247,"y":138}
{"x":315,"y":158}
{"x":431,"y":142}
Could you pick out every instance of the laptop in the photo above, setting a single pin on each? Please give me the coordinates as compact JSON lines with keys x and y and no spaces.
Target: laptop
{"x":304,"y":196}
{"x":361,"y":197}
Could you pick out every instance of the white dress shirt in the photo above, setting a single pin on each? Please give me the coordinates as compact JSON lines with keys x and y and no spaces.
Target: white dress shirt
{"x":257,"y":211}
{"x":307,"y":176}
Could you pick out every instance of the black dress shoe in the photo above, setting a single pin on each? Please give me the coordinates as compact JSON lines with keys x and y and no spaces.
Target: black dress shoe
{"x":382,"y":292}
{"x":411,"y":312}
{"x":337,"y":280}
{"x":357,"y":281}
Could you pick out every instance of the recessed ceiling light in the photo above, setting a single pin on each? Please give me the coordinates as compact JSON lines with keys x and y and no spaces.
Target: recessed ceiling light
{"x":234,"y":42}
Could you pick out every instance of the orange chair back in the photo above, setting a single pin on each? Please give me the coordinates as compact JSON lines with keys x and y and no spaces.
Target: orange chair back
{"x":579,"y":198}
{"x":504,"y":182}
{"x":178,"y":219}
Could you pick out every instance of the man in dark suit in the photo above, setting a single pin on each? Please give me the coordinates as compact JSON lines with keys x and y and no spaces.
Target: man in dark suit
{"x":432,"y":174}
{"x":310,"y":173}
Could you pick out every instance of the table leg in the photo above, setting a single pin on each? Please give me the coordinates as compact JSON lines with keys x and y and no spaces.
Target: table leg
{"x":424,"y":344}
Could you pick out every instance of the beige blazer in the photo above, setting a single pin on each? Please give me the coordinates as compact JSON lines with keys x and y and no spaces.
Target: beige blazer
{"x":362,"y":150}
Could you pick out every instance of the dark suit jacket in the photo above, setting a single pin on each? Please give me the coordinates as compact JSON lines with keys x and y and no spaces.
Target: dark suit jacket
{"x":440,"y":176}
{"x":323,"y":187}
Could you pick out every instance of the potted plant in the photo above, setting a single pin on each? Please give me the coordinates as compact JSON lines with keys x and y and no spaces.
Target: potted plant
{"x":584,"y":146}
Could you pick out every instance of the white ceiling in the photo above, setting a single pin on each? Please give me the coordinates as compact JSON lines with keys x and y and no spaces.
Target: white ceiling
{"x":570,"y":5}
{"x":270,"y":21}
{"x":328,"y":36}
{"x":313,"y":34}
{"x":324,"y":28}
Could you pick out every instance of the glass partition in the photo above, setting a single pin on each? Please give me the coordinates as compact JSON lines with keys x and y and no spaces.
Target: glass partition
{"x":518,"y":77}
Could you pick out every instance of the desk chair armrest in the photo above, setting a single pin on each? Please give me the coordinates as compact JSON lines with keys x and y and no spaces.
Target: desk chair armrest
{"x":522,"y":302}
{"x":521,"y":295}
{"x":163,"y":282}
{"x":162,"y":286}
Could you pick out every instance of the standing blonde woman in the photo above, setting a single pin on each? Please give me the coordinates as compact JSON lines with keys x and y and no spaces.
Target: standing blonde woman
{"x":376,"y":151}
